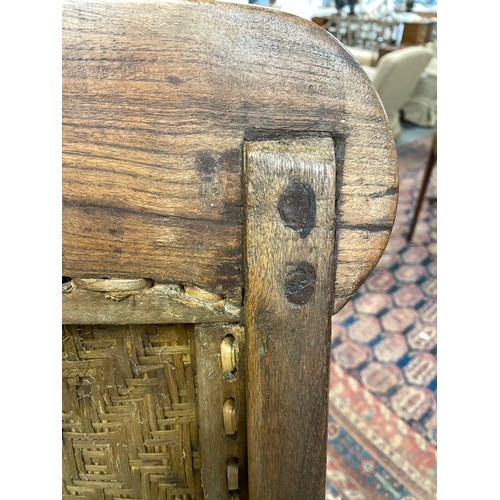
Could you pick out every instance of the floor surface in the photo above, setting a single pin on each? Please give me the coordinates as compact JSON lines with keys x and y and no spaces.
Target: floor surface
{"x":383,"y":387}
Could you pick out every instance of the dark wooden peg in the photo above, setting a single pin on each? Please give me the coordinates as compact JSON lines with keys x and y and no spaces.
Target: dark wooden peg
{"x":300,"y":284}
{"x":297,"y":207}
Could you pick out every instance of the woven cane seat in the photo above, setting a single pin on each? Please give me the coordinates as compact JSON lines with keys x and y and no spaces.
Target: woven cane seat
{"x":129,"y":417}
{"x":229,"y":181}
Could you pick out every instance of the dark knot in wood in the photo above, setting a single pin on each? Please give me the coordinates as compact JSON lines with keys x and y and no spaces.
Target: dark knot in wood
{"x":300,"y":283}
{"x":297,"y":207}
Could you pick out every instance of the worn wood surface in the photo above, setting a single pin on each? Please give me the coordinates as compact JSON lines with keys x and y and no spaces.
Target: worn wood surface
{"x":290,"y":227}
{"x":164,"y":103}
{"x":157,"y":100}
{"x":122,"y":302}
{"x":217,"y":386}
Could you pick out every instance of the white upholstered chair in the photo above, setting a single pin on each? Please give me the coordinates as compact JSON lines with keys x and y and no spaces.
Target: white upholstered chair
{"x":395,"y":77}
{"x":421,"y":107}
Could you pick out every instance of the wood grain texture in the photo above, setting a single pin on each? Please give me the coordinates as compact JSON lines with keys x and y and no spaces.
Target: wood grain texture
{"x":287,"y":316}
{"x":214,"y":388}
{"x":85,"y":302}
{"x":158,"y":98}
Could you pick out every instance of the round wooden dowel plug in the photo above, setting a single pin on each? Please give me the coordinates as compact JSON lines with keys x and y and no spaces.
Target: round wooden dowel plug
{"x":232,"y":474}
{"x":228,"y":355}
{"x":230,"y":417}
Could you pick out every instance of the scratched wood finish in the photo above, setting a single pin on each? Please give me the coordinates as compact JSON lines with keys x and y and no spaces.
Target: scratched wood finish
{"x":157,"y":100}
{"x":290,"y":227}
{"x":215,"y":387}
{"x":119,"y":303}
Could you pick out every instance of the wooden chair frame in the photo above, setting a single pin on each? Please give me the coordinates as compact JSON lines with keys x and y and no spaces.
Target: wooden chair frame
{"x":229,"y":181}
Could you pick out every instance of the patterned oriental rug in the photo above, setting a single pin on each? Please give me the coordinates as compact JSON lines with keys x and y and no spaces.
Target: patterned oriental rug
{"x":382,"y":419}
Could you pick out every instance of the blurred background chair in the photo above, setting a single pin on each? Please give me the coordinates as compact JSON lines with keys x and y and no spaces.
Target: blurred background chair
{"x":395,"y":78}
{"x":421,"y":107}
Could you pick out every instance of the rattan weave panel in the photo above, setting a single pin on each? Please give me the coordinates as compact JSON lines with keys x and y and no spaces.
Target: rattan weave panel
{"x":129,"y":419}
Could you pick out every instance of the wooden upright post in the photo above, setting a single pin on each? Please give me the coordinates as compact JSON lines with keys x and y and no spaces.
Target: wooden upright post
{"x":290,"y":225}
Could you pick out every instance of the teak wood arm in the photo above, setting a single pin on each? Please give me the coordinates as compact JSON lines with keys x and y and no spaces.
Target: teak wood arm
{"x":224,"y":166}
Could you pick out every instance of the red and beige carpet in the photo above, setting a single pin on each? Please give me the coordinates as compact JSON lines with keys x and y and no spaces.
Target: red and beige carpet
{"x":382,"y":419}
